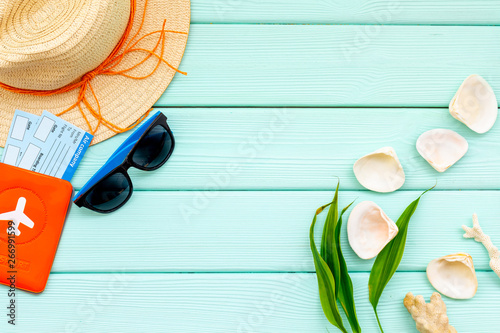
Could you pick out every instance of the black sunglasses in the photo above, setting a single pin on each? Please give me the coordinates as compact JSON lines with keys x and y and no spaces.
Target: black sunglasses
{"x":148,"y":148}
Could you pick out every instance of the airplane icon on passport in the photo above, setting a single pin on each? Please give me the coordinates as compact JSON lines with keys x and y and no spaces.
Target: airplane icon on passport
{"x":18,"y":217}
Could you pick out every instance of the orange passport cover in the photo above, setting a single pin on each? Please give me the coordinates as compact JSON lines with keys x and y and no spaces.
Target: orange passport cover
{"x":38,"y":205}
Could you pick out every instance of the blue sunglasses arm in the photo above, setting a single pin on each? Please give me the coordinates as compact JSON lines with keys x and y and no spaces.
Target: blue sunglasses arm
{"x":118,"y":156}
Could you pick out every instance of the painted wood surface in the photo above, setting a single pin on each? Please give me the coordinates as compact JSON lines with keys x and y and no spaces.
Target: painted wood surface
{"x":288,"y":148}
{"x":253,"y":231}
{"x":231,"y":303}
{"x":467,"y":12}
{"x":332,"y":65}
{"x":216,"y":240}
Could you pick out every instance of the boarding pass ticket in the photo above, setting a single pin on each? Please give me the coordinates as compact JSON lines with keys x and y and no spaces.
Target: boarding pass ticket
{"x":45,"y":144}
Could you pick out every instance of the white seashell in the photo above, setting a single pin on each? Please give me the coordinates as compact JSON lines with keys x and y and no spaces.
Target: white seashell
{"x":369,"y":229}
{"x":441,"y":148}
{"x":453,"y":275}
{"x":380,"y":171}
{"x":475,"y":104}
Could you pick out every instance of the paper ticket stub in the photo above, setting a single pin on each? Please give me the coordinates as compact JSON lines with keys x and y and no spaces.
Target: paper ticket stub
{"x":23,"y":125}
{"x":52,"y":146}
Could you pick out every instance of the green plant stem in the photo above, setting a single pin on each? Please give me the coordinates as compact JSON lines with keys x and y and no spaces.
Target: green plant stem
{"x":378,"y":321}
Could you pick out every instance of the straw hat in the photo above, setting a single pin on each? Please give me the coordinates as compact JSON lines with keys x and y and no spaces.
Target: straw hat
{"x":47,"y":46}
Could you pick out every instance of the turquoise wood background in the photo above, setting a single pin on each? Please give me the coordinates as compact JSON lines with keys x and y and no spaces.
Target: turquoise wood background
{"x":281,"y":97}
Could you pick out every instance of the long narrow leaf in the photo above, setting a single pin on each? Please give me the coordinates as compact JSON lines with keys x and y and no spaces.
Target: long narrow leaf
{"x":326,"y":284}
{"x":328,"y":246}
{"x":333,"y":211}
{"x":346,"y":293}
{"x":388,"y":259}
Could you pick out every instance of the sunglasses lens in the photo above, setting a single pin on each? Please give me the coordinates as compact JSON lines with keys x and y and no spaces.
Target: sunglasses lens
{"x":109,"y":193}
{"x":154,"y":148}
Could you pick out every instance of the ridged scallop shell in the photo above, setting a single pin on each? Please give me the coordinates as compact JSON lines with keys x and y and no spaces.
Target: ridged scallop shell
{"x":369,"y":229}
{"x":475,"y":104}
{"x":453,"y":275}
{"x":442,"y":148}
{"x":380,"y":171}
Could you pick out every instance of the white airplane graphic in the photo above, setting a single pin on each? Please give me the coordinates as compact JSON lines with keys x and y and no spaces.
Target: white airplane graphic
{"x":18,"y":217}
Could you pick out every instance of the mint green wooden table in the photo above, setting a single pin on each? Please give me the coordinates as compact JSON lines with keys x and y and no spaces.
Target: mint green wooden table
{"x":281,"y":97}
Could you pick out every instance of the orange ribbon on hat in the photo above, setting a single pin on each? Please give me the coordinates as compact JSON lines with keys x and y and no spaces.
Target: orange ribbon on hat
{"x":108,"y":67}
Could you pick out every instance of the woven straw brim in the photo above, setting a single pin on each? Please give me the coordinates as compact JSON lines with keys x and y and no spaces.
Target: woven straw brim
{"x":122,"y":100}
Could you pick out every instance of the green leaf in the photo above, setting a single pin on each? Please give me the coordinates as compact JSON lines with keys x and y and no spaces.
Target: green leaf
{"x":331,"y":255}
{"x":328,"y":245}
{"x":346,"y":293}
{"x":326,"y":284}
{"x":388,"y":259}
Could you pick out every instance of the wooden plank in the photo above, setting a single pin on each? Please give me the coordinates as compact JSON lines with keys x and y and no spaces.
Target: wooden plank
{"x":254,"y":231}
{"x":238,"y":148}
{"x":479,"y":12}
{"x":229,"y":303}
{"x":332,"y":65}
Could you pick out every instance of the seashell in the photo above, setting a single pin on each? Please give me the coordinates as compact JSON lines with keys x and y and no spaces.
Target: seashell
{"x":441,"y":148}
{"x":475,"y":104}
{"x":453,"y":275}
{"x":380,"y":171}
{"x":369,"y":229}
